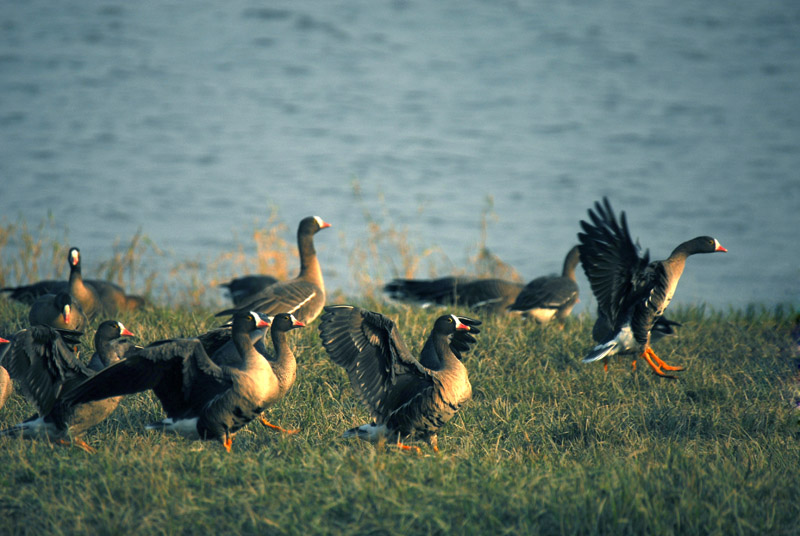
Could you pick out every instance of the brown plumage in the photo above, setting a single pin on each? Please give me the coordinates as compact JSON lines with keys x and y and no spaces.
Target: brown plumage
{"x":550,"y":296}
{"x":303,"y":296}
{"x":406,"y":397}
{"x":58,"y":311}
{"x":43,"y":365}
{"x":202,"y":400}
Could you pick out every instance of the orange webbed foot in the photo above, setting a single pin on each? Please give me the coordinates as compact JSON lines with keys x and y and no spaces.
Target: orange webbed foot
{"x":661,"y":362}
{"x":268,"y":424}
{"x":656,"y":368}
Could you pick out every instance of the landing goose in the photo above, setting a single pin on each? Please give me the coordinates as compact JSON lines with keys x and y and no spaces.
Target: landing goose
{"x":549,"y":297}
{"x":202,"y":400}
{"x":632,"y":292}
{"x":406,"y":397}
{"x":44,"y":368}
{"x":303,"y":296}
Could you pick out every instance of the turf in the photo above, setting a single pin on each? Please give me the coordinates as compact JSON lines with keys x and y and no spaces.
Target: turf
{"x":547,"y":445}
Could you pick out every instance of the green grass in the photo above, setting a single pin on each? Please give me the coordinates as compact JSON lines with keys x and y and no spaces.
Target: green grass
{"x":547,"y":445}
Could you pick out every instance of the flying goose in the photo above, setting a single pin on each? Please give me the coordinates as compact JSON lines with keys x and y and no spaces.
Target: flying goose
{"x":406,"y":397}
{"x":303,"y":296}
{"x":632,"y":292}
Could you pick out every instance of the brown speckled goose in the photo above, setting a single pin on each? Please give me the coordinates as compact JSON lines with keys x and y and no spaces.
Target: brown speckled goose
{"x":550,"y":296}
{"x":58,"y":311}
{"x":202,"y":400}
{"x":632,"y":292}
{"x":485,"y":295}
{"x":245,"y":289}
{"x":37,"y":355}
{"x":303,"y":296}
{"x":406,"y":397}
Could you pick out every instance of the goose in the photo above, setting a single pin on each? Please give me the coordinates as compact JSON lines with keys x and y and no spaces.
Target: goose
{"x":44,"y":367}
{"x":303,"y":296}
{"x":202,"y":400}
{"x":632,"y":292}
{"x":58,"y":311}
{"x":486,"y":295}
{"x":407,"y":397}
{"x":245,"y":288}
{"x":549,"y":297}
{"x":93,"y":295}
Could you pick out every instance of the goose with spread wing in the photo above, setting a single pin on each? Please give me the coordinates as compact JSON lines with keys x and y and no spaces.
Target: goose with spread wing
{"x":407,"y":397}
{"x":632,"y":292}
{"x":42,"y":363}
{"x":202,"y":399}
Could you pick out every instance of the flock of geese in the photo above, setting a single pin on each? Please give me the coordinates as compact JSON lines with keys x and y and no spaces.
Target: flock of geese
{"x":212,"y":385}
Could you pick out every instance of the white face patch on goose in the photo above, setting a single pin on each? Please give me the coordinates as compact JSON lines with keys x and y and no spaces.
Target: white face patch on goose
{"x":459,"y":325}
{"x":319,"y":221}
{"x":75,"y":256}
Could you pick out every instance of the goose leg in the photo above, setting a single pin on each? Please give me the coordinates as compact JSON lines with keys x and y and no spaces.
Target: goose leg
{"x":660,"y":362}
{"x":227,"y":441}
{"x":408,"y":447}
{"x":268,"y":424}
{"x":78,"y":442}
{"x":655,"y":367}
{"x":633,"y":365}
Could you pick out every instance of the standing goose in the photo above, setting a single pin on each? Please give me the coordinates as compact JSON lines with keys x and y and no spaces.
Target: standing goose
{"x":303,"y":296}
{"x":219,"y":345}
{"x":43,"y":391}
{"x":550,"y":296}
{"x":485,"y":295}
{"x":244,"y":289}
{"x":202,"y":400}
{"x":57,"y":311}
{"x":632,"y":293}
{"x":406,"y":397}
{"x":6,"y":387}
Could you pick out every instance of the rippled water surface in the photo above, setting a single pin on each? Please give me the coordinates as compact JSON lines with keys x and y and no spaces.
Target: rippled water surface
{"x":190,"y":120}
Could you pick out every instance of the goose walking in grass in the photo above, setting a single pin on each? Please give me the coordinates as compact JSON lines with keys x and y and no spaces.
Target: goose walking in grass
{"x":632,"y":292}
{"x":93,"y":295}
{"x":407,"y":397}
{"x":43,"y":365}
{"x":550,"y":296}
{"x":202,"y":399}
{"x":303,"y":296}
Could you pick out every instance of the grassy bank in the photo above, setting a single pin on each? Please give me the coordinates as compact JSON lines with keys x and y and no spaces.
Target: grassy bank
{"x":547,"y":445}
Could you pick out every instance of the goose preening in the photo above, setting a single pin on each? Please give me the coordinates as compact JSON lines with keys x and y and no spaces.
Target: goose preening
{"x":202,"y":400}
{"x":407,"y":397}
{"x":42,"y":363}
{"x":632,"y":292}
{"x":303,"y":296}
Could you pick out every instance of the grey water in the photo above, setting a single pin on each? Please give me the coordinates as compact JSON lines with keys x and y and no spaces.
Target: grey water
{"x":193,"y":120}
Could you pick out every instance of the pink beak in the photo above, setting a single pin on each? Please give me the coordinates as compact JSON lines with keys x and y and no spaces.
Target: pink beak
{"x":126,"y":332}
{"x":4,"y":341}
